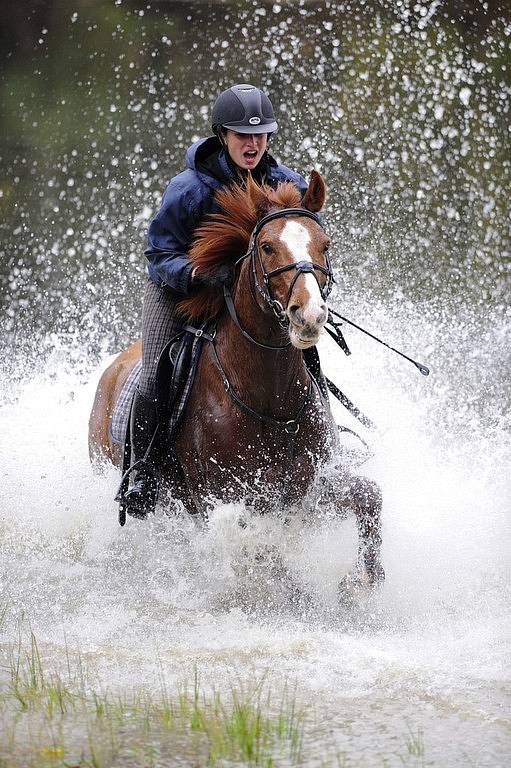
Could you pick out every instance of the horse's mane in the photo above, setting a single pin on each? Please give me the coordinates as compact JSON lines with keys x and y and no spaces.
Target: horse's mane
{"x":224,"y":237}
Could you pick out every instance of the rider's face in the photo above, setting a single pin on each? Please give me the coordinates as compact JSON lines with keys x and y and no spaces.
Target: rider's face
{"x":245,"y":149}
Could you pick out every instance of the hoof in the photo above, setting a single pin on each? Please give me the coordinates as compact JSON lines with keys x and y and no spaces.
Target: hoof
{"x":370,"y":562}
{"x":348,"y":591}
{"x":300,"y":599}
{"x":355,"y":588}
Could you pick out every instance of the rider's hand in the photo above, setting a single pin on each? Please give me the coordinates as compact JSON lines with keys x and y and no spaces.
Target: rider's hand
{"x":224,"y":275}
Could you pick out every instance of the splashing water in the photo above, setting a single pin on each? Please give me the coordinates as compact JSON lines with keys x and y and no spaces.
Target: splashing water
{"x":404,"y":108}
{"x":430,"y":649}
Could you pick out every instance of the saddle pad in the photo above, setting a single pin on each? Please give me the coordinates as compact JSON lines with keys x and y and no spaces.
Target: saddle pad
{"x":178,"y":408}
{"x":121,"y":414}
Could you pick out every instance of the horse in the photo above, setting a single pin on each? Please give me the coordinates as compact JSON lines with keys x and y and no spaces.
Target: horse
{"x":258,"y":425}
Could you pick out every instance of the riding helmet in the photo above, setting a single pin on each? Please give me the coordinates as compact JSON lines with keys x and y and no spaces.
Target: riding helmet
{"x":245,"y":109}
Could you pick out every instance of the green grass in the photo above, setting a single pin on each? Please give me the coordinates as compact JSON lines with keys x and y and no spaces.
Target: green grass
{"x":50,"y":720}
{"x":62,"y":720}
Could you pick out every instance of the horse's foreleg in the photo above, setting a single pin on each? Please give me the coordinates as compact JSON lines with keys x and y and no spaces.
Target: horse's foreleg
{"x":366,"y":503}
{"x":363,"y":498}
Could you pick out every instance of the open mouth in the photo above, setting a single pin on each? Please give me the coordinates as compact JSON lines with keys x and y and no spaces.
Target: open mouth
{"x":250,"y":155}
{"x":302,"y":342}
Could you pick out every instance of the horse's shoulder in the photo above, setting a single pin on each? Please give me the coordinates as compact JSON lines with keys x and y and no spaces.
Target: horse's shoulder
{"x":115,"y":375}
{"x":132,"y":353}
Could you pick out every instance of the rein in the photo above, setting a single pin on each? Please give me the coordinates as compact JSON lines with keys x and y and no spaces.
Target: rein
{"x":302,"y":267}
{"x":289,"y":426}
{"x":229,"y":302}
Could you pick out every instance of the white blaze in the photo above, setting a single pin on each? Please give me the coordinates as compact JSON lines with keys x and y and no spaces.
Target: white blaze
{"x":297,"y":238}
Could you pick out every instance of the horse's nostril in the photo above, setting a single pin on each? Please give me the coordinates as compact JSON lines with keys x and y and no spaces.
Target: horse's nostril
{"x":323,"y":314}
{"x":295,"y":314}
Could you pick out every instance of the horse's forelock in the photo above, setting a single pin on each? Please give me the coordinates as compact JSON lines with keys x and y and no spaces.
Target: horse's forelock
{"x":285,"y":196}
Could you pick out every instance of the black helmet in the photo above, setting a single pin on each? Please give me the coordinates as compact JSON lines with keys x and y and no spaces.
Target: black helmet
{"x":245,"y":109}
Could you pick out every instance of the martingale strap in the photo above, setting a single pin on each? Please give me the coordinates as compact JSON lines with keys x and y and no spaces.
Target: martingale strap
{"x":290,"y":426}
{"x":351,"y":407}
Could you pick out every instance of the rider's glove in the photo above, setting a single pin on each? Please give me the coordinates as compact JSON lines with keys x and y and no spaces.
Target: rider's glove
{"x":224,"y":275}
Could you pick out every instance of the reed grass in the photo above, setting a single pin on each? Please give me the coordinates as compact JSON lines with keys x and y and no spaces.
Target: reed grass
{"x":62,"y":720}
{"x":51,"y":721}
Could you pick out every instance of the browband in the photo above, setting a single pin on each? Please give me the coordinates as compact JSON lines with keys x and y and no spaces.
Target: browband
{"x":285,"y":212}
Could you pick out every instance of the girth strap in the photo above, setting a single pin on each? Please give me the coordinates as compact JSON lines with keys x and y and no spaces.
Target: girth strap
{"x":199,"y":333}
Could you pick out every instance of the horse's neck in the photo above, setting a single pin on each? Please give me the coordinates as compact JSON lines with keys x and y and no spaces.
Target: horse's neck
{"x":273,"y":380}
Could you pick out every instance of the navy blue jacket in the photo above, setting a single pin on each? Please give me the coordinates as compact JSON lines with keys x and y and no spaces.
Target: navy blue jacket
{"x":187,"y":199}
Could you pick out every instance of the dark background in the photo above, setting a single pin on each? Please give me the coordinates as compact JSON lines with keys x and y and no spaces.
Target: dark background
{"x":403,"y":107}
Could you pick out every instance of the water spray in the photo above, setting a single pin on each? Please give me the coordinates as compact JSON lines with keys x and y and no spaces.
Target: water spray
{"x":422,"y":368}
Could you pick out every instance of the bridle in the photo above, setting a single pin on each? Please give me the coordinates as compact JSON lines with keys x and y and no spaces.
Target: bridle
{"x":253,"y":253}
{"x":289,"y":426}
{"x":301,"y":267}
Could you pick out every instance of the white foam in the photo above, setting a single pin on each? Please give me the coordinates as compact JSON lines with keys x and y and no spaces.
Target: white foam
{"x":196,"y":596}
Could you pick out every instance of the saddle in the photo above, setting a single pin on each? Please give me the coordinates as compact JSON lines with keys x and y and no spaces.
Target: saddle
{"x":176,"y":370}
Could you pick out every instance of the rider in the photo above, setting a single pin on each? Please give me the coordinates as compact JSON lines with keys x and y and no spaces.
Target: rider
{"x":242,"y":122}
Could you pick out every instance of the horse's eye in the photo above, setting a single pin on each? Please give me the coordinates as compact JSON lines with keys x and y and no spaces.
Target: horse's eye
{"x":326,"y":247}
{"x":267,"y":248}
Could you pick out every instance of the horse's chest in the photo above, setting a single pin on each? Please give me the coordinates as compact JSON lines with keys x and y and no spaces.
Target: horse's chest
{"x":233,"y":455}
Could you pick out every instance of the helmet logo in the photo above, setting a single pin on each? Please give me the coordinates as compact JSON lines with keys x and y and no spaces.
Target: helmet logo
{"x":254,"y":120}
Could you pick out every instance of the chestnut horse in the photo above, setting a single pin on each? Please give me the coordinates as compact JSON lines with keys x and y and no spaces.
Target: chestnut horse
{"x":257,"y":425}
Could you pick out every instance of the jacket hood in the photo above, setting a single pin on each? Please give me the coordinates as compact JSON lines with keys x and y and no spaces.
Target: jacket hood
{"x":201,"y":149}
{"x":208,"y":158}
{"x":209,"y":161}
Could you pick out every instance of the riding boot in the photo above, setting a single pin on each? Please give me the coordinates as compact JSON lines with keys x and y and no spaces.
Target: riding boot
{"x":141,"y":498}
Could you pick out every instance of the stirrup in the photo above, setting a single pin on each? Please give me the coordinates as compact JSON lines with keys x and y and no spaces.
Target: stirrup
{"x":141,"y":498}
{"x":147,"y":497}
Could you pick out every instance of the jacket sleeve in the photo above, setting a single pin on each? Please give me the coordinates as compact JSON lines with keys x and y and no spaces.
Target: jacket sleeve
{"x":170,"y":236}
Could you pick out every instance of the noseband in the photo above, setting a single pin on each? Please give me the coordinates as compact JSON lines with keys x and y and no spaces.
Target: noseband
{"x":301,"y":267}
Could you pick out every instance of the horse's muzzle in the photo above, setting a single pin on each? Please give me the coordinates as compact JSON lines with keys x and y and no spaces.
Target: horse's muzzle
{"x":305,"y":323}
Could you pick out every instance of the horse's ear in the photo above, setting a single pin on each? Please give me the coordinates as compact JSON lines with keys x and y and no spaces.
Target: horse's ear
{"x":314,"y":198}
{"x":261,"y":202}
